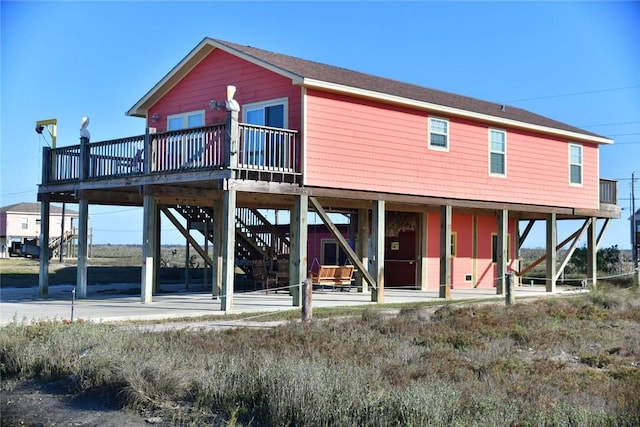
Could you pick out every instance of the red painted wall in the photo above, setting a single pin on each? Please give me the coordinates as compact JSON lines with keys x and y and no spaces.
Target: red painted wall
{"x":209,"y":80}
{"x":365,"y":145}
{"x":484,"y":272}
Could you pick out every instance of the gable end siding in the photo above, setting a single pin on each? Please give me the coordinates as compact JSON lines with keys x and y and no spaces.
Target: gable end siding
{"x":209,"y":80}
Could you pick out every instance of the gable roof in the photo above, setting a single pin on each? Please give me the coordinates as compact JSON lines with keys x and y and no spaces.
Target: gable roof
{"x":335,"y":79}
{"x":34,"y":208}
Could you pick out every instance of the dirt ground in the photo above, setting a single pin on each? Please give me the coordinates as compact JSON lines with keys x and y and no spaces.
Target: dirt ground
{"x":33,"y":404}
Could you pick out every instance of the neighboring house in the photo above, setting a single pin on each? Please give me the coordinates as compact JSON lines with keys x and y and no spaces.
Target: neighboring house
{"x":21,"y":221}
{"x":634,"y":222}
{"x":436,"y":184}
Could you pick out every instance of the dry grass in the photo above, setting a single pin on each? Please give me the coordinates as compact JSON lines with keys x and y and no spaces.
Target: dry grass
{"x":565,"y":361}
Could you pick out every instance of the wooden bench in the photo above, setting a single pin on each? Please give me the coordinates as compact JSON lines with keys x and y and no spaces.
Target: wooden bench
{"x":336,"y":276}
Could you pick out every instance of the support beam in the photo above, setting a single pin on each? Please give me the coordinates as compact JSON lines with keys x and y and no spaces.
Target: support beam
{"x":422,"y":264}
{"x":502,"y":258}
{"x":445,"y":251}
{"x":579,"y":234}
{"x":218,"y":221}
{"x":158,"y":255}
{"x":552,"y":238}
{"x":353,"y":257}
{"x":378,"y":227}
{"x":228,"y":249}
{"x":525,"y":233}
{"x":544,"y":257}
{"x":298,"y":248}
{"x":362,"y":247}
{"x":83,"y":229}
{"x":148,"y":249}
{"x":186,"y":234}
{"x":592,"y":253}
{"x":603,"y":230}
{"x":43,"y":277}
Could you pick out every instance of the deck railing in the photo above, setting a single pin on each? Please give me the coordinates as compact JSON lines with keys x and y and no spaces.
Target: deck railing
{"x":609,"y":191}
{"x":260,"y":148}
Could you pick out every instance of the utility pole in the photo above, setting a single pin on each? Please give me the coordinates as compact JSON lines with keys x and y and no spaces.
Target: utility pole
{"x":634,"y":225}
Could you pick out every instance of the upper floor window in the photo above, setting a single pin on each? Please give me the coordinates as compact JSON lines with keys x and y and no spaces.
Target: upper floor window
{"x":191,"y":119}
{"x":438,"y":133}
{"x":25,"y":223}
{"x":497,"y":152}
{"x":268,"y":113}
{"x":575,"y":164}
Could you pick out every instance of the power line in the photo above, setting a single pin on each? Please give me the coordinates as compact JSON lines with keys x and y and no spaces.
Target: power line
{"x":575,"y":93}
{"x":609,"y":124}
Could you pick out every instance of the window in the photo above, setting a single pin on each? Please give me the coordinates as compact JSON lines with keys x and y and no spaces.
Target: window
{"x":25,"y":223}
{"x":265,"y":149}
{"x":497,"y":152}
{"x":454,"y":243}
{"x":332,"y":253}
{"x":494,"y":247}
{"x":191,"y":119}
{"x":181,"y":150}
{"x":575,"y":164}
{"x":438,"y":134}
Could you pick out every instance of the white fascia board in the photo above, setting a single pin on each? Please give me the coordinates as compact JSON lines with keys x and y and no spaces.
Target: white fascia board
{"x":179,"y":68}
{"x":319,"y":84}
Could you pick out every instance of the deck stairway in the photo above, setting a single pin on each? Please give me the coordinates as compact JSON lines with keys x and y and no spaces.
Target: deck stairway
{"x":256,"y":237}
{"x":56,"y":242}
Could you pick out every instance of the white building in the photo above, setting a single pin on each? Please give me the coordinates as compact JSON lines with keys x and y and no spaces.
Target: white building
{"x":21,"y":221}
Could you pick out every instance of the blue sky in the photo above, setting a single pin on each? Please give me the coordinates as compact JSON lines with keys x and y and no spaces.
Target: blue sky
{"x":575,"y":62}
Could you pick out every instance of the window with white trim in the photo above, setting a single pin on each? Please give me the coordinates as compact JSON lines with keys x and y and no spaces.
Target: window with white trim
{"x":575,"y":164}
{"x":25,"y":223}
{"x":497,"y":152}
{"x":192,"y":119}
{"x":438,"y":133}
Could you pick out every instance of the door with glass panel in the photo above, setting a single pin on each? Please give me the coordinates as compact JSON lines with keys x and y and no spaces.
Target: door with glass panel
{"x":262,"y":148}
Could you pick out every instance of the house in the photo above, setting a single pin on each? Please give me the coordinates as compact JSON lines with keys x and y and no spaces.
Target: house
{"x":634,"y":234}
{"x":21,"y":221}
{"x":437,"y":185}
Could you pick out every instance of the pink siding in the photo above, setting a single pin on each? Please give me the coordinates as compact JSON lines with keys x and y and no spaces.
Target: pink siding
{"x":209,"y":80}
{"x":463,"y":264}
{"x":367,"y":146}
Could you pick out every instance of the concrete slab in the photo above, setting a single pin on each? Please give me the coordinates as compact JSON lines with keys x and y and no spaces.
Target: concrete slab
{"x":119,"y":302}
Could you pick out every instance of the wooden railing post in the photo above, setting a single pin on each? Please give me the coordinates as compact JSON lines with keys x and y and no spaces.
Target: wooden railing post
{"x":147,"y":152}
{"x":84,"y":158}
{"x":233,"y":129}
{"x":46,"y":165}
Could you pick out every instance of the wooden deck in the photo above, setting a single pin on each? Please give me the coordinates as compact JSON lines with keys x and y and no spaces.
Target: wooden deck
{"x":264,"y":153}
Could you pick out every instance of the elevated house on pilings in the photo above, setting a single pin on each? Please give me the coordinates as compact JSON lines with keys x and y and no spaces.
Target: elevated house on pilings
{"x":437,"y":184}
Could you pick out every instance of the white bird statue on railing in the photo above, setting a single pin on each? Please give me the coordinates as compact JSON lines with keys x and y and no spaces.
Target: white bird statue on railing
{"x":84,"y":133}
{"x":231,"y":104}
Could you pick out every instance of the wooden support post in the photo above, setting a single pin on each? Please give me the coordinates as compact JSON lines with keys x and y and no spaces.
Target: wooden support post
{"x":228,"y":249}
{"x":552,"y":239}
{"x":307,"y":300}
{"x":362,"y":247}
{"x":205,"y":277}
{"x":298,"y":248}
{"x":43,"y":277}
{"x":378,"y":220}
{"x":592,"y":253}
{"x":502,"y":258}
{"x":148,"y":248}
{"x":445,"y":252}
{"x":83,"y":223}
{"x":421,"y":270}
{"x":218,"y":223}
{"x":474,"y":250}
{"x":186,"y":265}
{"x":157,"y":258}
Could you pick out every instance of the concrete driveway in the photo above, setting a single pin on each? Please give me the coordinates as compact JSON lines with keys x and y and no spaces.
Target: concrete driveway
{"x":119,"y":302}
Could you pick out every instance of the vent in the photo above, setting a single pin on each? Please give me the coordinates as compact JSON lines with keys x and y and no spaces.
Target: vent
{"x":468,"y":277}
